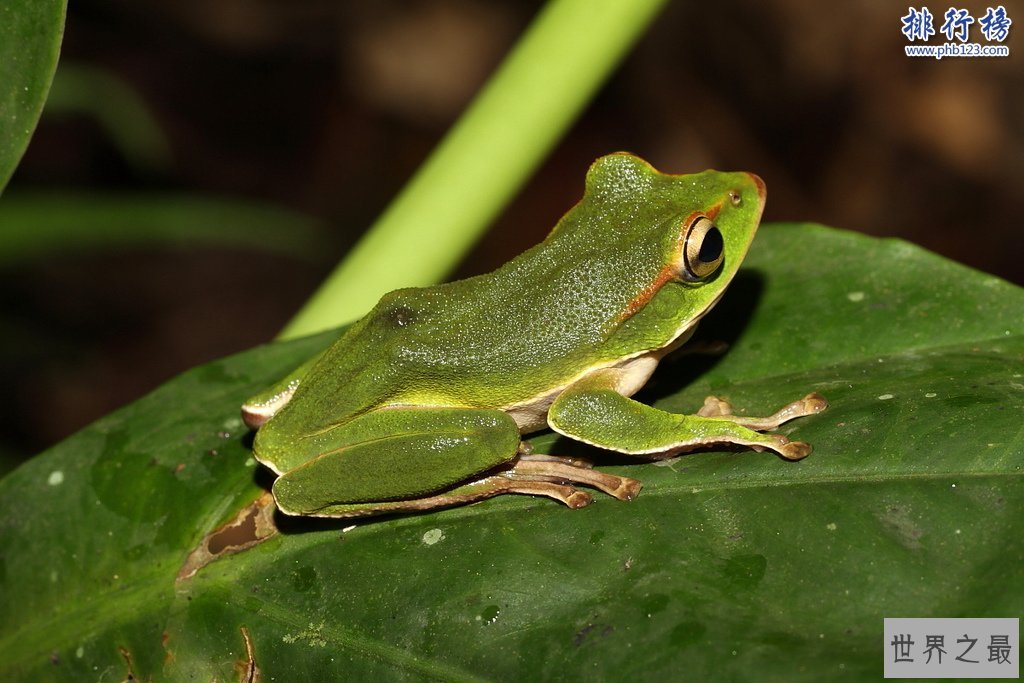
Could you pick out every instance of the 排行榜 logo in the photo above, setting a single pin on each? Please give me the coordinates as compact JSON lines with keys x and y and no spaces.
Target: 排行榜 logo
{"x":964,"y":34}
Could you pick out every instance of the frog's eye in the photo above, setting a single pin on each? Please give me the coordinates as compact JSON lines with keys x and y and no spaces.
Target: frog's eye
{"x":703,"y":250}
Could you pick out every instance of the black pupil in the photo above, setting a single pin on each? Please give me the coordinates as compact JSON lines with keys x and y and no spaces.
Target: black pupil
{"x":711,"y":247}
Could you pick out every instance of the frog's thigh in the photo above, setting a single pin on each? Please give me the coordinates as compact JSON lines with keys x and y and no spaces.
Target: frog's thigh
{"x":592,"y":411}
{"x":403,"y":453}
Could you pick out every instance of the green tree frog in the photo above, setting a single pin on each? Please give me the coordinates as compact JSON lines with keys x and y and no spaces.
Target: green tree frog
{"x":423,"y":403}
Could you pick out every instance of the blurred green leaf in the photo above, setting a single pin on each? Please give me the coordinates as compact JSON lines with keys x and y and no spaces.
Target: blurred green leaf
{"x":123,"y":115}
{"x":32,"y":225}
{"x":30,"y":35}
{"x":728,"y":566}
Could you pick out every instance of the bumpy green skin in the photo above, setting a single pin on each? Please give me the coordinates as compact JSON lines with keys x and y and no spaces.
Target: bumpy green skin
{"x":603,"y":286}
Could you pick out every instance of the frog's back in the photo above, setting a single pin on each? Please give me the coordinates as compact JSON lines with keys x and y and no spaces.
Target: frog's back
{"x":539,"y":320}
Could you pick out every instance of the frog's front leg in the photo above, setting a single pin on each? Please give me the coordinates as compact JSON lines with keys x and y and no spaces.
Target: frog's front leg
{"x":593,"y":411}
{"x":808,"y":405}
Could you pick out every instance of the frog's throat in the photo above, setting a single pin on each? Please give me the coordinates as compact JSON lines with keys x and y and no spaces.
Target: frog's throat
{"x":255,"y":414}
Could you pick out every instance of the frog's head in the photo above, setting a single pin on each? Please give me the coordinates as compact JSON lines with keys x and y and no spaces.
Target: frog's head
{"x":685,"y":236}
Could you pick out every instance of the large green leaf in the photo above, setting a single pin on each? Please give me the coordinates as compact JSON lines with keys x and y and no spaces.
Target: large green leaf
{"x":30,"y":35}
{"x":728,"y":566}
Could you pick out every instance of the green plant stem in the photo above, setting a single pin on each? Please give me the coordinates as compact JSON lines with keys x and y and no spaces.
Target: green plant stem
{"x":537,"y":92}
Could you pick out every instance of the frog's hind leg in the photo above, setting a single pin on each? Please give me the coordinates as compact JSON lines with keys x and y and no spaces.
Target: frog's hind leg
{"x":387,"y":457}
{"x":542,"y":467}
{"x":472,"y":492}
{"x":538,"y":474}
{"x":567,"y":494}
{"x":535,"y":475}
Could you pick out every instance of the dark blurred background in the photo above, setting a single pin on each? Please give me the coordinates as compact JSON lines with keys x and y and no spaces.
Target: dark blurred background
{"x":325,"y":108}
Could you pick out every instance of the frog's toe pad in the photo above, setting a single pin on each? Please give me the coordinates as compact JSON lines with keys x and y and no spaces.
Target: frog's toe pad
{"x":627,"y":490}
{"x":813,"y":403}
{"x":578,"y":499}
{"x":793,"y":450}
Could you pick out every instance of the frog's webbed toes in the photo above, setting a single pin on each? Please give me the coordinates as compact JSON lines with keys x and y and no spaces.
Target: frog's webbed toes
{"x":810,"y":404}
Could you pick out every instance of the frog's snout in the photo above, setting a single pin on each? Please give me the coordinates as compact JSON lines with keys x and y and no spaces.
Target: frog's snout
{"x":762,"y":190}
